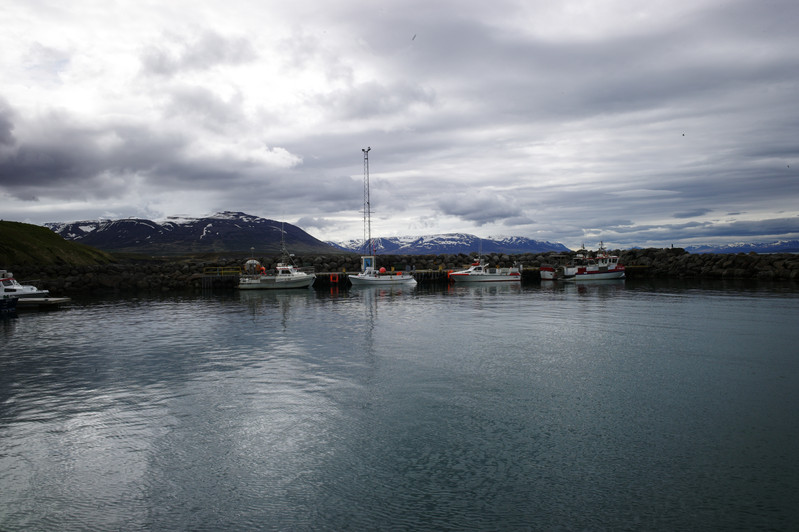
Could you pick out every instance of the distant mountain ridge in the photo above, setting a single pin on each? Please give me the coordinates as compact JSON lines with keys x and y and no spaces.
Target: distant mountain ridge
{"x":780,"y":246}
{"x":452,"y":243}
{"x":239,"y":232}
{"x":221,"y":232}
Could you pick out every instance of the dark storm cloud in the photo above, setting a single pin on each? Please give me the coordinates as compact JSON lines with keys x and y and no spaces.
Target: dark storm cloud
{"x":100,"y":160}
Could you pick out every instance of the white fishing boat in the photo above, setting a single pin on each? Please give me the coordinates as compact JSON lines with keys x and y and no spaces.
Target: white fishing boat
{"x":370,"y":274}
{"x":601,"y":267}
{"x":26,"y":295}
{"x":285,"y":274}
{"x":480,"y":272}
{"x":255,"y":277}
{"x":10,"y":287}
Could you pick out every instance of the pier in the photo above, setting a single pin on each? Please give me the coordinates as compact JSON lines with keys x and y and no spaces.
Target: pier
{"x":218,"y":277}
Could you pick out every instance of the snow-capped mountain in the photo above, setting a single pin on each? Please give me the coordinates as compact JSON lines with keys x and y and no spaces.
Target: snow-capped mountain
{"x":780,"y":246}
{"x":221,"y":232}
{"x":452,"y":243}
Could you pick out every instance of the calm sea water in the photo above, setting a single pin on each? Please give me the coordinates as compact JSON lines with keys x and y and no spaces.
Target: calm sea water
{"x":634,"y":406}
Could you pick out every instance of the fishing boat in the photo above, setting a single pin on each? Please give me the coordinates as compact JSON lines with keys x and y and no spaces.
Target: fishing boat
{"x":370,"y":274}
{"x":285,"y":274}
{"x":553,"y":271}
{"x":479,"y":272}
{"x":26,"y":295}
{"x":12,"y":288}
{"x":601,"y":267}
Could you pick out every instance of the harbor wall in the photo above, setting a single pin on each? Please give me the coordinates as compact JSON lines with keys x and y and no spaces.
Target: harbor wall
{"x":164,"y":275}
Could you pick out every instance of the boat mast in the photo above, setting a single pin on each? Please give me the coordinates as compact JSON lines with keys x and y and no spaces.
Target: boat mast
{"x":367,"y":213}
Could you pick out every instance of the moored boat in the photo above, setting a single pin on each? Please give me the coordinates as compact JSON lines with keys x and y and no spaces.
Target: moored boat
{"x":12,"y":288}
{"x":285,"y":274}
{"x":370,"y":275}
{"x":601,"y":267}
{"x":553,"y":271}
{"x":479,"y":272}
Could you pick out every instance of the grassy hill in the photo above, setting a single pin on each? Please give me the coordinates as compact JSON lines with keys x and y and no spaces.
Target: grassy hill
{"x":26,"y":244}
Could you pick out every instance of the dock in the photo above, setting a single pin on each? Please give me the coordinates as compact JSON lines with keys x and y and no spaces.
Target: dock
{"x":214,"y":277}
{"x":41,"y":302}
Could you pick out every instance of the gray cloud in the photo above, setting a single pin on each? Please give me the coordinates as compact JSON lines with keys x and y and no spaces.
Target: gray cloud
{"x":512,"y":118}
{"x":692,"y":214}
{"x":480,"y":208}
{"x":6,"y":124}
{"x":205,"y":51}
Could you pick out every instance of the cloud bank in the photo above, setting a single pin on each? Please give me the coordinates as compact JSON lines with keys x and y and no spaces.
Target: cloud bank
{"x":651,"y":124}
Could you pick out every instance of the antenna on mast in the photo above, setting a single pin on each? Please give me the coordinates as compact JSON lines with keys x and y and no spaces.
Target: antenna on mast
{"x":367,"y":213}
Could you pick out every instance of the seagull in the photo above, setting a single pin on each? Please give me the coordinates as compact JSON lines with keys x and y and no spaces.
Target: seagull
{"x":414,"y":37}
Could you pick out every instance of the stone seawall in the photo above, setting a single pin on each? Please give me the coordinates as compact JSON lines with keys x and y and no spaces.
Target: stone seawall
{"x":162,"y":275}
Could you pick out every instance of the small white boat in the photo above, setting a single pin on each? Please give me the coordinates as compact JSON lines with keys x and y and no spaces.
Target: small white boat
{"x":10,"y":287}
{"x":601,"y":267}
{"x":479,"y":272}
{"x":370,"y":275}
{"x":255,"y":277}
{"x":285,"y":274}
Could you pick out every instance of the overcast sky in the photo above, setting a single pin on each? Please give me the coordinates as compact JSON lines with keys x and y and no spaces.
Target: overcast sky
{"x":637,"y":123}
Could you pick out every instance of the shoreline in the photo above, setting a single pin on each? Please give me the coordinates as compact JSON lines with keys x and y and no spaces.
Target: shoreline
{"x":163,"y":274}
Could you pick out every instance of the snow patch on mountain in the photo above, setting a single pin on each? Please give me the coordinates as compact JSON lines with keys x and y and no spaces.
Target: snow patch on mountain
{"x":452,"y":243}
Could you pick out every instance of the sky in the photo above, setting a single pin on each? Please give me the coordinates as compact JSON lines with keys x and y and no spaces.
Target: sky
{"x":644,"y":124}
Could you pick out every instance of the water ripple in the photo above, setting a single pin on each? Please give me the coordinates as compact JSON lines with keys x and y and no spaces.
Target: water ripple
{"x":552,"y":407}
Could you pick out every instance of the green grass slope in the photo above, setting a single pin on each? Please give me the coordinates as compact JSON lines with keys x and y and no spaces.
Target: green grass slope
{"x":26,"y":244}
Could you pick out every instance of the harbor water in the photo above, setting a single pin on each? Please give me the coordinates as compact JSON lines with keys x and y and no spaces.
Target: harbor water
{"x":618,"y":405}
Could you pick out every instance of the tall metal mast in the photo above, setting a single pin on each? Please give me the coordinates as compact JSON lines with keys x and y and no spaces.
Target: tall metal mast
{"x":367,"y":212}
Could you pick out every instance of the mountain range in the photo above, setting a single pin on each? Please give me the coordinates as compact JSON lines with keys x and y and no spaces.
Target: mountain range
{"x":780,"y":246}
{"x":231,"y":232}
{"x":452,"y":243}
{"x":237,"y":232}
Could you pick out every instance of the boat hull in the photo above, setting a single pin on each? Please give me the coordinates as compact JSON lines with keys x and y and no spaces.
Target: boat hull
{"x":273,"y":282}
{"x":548,"y":273}
{"x":382,"y":280}
{"x":599,"y":276}
{"x":479,"y":272}
{"x":485,"y":278}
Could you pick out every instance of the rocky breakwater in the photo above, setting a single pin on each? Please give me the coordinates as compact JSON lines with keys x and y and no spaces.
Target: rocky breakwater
{"x":164,"y":275}
{"x":123,"y":276}
{"x":677,"y":263}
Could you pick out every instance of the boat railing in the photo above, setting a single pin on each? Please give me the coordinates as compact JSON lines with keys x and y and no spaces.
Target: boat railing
{"x":221,"y":271}
{"x":275,"y":271}
{"x":503,"y":271}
